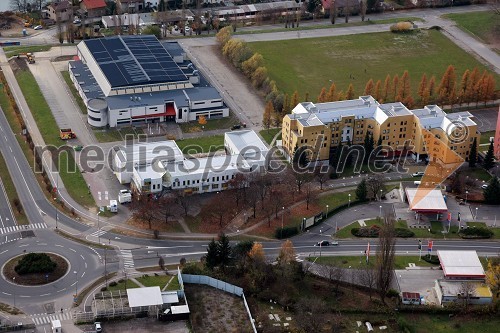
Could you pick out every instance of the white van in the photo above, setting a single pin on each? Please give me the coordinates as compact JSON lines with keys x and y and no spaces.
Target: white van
{"x":124,"y":196}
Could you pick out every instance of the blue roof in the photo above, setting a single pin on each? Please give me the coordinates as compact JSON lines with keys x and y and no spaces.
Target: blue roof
{"x":134,"y":60}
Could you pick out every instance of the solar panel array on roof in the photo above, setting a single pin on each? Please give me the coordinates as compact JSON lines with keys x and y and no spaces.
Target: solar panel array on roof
{"x":134,"y":60}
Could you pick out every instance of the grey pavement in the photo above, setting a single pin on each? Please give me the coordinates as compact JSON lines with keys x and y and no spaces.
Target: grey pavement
{"x":489,"y":214}
{"x":486,"y":119}
{"x":420,"y":280}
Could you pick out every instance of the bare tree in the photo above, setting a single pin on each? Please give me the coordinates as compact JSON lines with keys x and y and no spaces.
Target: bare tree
{"x":311,"y":314}
{"x":333,"y":11}
{"x":252,"y":198}
{"x":347,"y":10}
{"x":161,"y":263}
{"x":182,"y":200}
{"x":374,"y":184}
{"x":309,"y":194}
{"x":385,"y":257}
{"x":467,"y":291}
{"x":218,"y":209}
{"x":322,"y":175}
{"x":495,"y":6}
{"x":262,"y":184}
{"x":168,"y":207}
{"x":144,"y":209}
{"x":334,"y":274}
{"x":368,"y":278}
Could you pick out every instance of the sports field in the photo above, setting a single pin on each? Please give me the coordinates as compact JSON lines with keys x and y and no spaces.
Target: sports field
{"x":307,"y":65}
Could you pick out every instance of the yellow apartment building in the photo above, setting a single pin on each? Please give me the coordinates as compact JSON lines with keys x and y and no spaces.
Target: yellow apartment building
{"x":323,"y":126}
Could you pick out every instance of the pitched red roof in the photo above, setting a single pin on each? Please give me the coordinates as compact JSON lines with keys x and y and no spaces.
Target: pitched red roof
{"x":93,"y":4}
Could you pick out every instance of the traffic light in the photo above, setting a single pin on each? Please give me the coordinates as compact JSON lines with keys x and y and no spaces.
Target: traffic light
{"x":459,"y":216}
{"x":420,"y":244}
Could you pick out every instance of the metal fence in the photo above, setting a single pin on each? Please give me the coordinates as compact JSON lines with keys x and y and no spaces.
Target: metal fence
{"x":221,"y":285}
{"x":10,"y":328}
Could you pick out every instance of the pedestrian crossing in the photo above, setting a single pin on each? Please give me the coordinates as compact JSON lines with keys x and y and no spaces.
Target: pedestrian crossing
{"x":128,"y":259}
{"x":43,"y":319}
{"x":7,"y":230}
{"x":98,"y":233}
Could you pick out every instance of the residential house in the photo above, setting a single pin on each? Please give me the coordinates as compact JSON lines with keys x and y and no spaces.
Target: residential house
{"x":130,"y":6}
{"x":93,"y":8}
{"x":60,"y":11}
{"x":343,"y":6}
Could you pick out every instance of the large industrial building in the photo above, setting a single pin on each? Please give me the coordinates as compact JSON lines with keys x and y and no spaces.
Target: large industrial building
{"x":124,"y":80}
{"x":157,"y":166}
{"x":323,"y":126}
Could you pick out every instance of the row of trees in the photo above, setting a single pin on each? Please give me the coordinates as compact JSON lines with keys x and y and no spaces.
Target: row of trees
{"x":474,"y":87}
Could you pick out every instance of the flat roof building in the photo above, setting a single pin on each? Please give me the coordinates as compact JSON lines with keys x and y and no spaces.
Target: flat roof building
{"x":323,"y":126}
{"x":461,"y":265}
{"x":138,"y":79}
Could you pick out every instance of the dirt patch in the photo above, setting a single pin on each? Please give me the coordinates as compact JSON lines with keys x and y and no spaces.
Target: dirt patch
{"x":171,"y":226}
{"x":36,"y":279}
{"x":18,"y":64}
{"x":11,"y":25}
{"x":213,"y":310}
{"x":140,"y":325}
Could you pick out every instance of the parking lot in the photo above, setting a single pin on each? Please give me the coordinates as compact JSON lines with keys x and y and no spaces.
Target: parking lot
{"x":486,"y":119}
{"x":419,"y":281}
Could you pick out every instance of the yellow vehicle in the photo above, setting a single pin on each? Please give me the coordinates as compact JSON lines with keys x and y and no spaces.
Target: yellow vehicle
{"x":29,"y":56}
{"x":66,"y":134}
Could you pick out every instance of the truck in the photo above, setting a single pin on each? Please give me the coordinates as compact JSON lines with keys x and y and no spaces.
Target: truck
{"x":124,"y":196}
{"x":29,"y":57}
{"x":66,"y":134}
{"x":56,"y":326}
{"x":113,"y":206}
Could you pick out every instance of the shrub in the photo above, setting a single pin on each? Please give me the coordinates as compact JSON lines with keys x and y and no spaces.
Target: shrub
{"x":371,"y":231}
{"x":286,"y":232}
{"x":404,"y":233}
{"x":401,"y":27}
{"x":121,"y":281}
{"x":481,"y":233}
{"x":392,"y":293}
{"x":434,"y":259}
{"x":113,"y":284}
{"x":192,"y":268}
{"x":104,"y":288}
{"x":35,"y":263}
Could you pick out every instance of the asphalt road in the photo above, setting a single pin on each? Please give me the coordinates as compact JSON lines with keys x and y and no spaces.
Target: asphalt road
{"x":6,"y":216}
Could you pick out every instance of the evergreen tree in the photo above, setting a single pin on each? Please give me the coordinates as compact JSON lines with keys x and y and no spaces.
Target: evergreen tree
{"x":403,"y":88}
{"x":322,"y":96}
{"x":394,"y":88}
{"x":223,"y":250}
{"x":489,"y":159}
{"x":387,"y":89}
{"x":379,"y":141}
{"x":161,"y":6}
{"x":212,"y":259}
{"x":362,"y":191}
{"x":473,"y":154}
{"x":378,"y":90}
{"x":447,"y":86}
{"x":332,"y":94}
{"x":350,"y":92}
{"x":369,"y":88}
{"x":422,"y":87}
{"x":492,"y":192}
{"x":295,"y":99}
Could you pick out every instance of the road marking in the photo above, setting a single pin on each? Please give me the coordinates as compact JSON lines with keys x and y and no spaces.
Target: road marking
{"x":10,"y":148}
{"x":72,"y":250}
{"x":98,"y":233}
{"x":4,"y":251}
{"x":23,"y":227}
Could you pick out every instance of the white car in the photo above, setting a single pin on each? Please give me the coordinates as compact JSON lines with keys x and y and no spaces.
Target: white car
{"x":484,"y":186}
{"x":187,"y":29}
{"x":38,"y":27}
{"x":418,"y":174}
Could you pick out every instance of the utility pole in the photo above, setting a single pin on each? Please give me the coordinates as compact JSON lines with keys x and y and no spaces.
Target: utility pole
{"x":105,"y":265}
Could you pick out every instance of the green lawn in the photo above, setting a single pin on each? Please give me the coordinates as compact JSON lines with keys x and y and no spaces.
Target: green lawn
{"x":335,"y":200}
{"x":364,"y":56}
{"x":74,"y":92}
{"x":442,"y":323}
{"x":484,"y":25}
{"x":201,"y":144}
{"x":485,"y":136}
{"x":212,"y":124}
{"x":476,"y":173}
{"x":496,"y":231}
{"x":112,"y":135}
{"x":360,"y":261}
{"x":15,"y":50}
{"x":152,"y":280}
{"x":73,"y":181}
{"x":268,"y":135}
{"x":129,"y":284}
{"x":10,"y":189}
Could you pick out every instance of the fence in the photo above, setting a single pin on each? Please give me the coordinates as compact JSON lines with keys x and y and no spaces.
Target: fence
{"x":221,"y":285}
{"x":9,"y":328}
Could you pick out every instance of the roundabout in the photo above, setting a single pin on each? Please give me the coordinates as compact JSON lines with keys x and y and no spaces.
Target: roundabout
{"x":43,"y":268}
{"x":83,"y":267}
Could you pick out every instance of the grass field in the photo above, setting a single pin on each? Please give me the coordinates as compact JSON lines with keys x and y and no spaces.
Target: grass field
{"x":15,"y":50}
{"x":360,"y":261}
{"x":477,"y":173}
{"x":160,"y":281}
{"x":485,"y":136}
{"x":484,"y":25}
{"x":313,"y":63}
{"x":74,"y":92}
{"x":202,"y":144}
{"x":11,"y":191}
{"x":123,"y":285}
{"x":212,"y":124}
{"x":73,"y":181}
{"x":269,"y":134}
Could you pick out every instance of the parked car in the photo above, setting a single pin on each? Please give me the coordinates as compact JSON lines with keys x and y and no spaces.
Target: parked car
{"x":418,"y":174}
{"x":484,"y":186}
{"x":326,"y":243}
{"x":97,"y":327}
{"x":38,"y":27}
{"x":235,"y":127}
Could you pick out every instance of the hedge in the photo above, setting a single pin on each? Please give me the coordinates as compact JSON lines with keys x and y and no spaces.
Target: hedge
{"x":373,"y":232}
{"x":477,"y":233}
{"x":432,"y":259}
{"x":286,"y":232}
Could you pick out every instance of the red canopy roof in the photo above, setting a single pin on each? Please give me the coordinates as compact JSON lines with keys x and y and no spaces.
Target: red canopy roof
{"x":92,"y":4}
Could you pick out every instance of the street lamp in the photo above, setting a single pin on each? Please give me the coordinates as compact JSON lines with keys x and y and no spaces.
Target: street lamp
{"x":380,"y":211}
{"x":476,"y":213}
{"x":349,"y":204}
{"x":14,"y":292}
{"x":98,"y":227}
{"x":327,"y":210}
{"x":466,"y":192}
{"x":381,"y":194}
{"x":282,"y":217}
{"x":76,"y":284}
